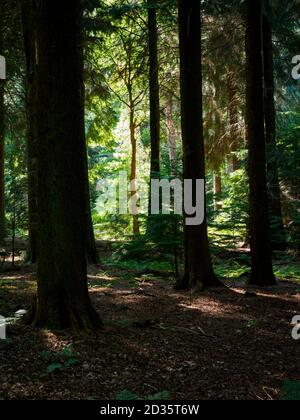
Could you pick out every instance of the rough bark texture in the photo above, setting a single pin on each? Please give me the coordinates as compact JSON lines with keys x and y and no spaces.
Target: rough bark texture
{"x":63,"y":299}
{"x":278,"y":235}
{"x":28,"y":12}
{"x":262,"y":270}
{"x":199,"y":272}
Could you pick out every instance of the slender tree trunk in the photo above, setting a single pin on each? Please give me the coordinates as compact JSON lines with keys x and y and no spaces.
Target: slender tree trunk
{"x":2,"y":147}
{"x":92,"y":253}
{"x":278,"y":235}
{"x":28,"y":21}
{"x":171,"y":133}
{"x":2,"y":162}
{"x":91,"y":250}
{"x":133,"y":174}
{"x":154,"y":90}
{"x":199,"y":272}
{"x":233,"y":121}
{"x":63,"y":299}
{"x":171,"y":136}
{"x":154,"y":108}
{"x":218,"y":191}
{"x":262,"y":270}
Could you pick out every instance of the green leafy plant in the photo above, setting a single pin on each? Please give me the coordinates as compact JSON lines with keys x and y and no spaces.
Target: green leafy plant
{"x":64,"y":359}
{"x":126,"y":395}
{"x":54,"y":367}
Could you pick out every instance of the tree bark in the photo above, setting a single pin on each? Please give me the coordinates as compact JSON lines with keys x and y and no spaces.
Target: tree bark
{"x":28,"y":13}
{"x":171,"y":136}
{"x":262,"y":270}
{"x":62,"y":299}
{"x":2,"y":160}
{"x":199,"y":272}
{"x":154,"y":90}
{"x":133,"y":174}
{"x":218,"y":191}
{"x":233,"y":121}
{"x":2,"y":145}
{"x":154,"y":106}
{"x":278,"y":235}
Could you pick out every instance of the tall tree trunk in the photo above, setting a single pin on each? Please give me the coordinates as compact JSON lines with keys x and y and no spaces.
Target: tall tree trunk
{"x":62,"y":299}
{"x":154,"y":90}
{"x":218,"y":191}
{"x":91,"y":250}
{"x":278,"y":235}
{"x":2,"y":144}
{"x":133,"y":174}
{"x":171,"y":134}
{"x":262,"y":270}
{"x":199,"y":272}
{"x":29,"y":21}
{"x":233,"y":121}
{"x":2,"y":161}
{"x":171,"y":131}
{"x":154,"y":108}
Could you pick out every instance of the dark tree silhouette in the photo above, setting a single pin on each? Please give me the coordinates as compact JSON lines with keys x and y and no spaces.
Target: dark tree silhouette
{"x":199,"y":272}
{"x":62,"y":299}
{"x":278,"y":235}
{"x":262,"y":270}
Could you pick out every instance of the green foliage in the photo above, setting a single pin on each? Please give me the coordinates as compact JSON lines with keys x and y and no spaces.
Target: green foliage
{"x":54,"y":367}
{"x":62,"y":360}
{"x":291,"y":391}
{"x":130,"y":396}
{"x":126,"y":396}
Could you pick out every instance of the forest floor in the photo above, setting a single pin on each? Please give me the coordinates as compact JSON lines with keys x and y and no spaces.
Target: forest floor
{"x":158,"y":343}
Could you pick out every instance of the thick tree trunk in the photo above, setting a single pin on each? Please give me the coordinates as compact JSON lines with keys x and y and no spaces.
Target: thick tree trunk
{"x":63,"y":299}
{"x":278,"y":235}
{"x":133,"y":174}
{"x":29,"y":21}
{"x":199,"y":272}
{"x":262,"y":270}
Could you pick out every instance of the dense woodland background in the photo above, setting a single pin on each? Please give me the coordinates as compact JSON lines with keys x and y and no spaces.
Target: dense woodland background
{"x":160,"y":90}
